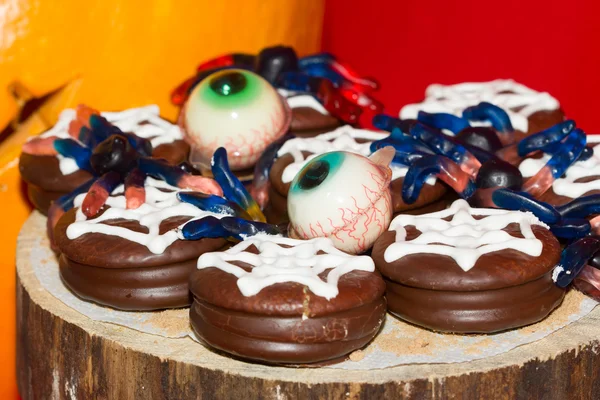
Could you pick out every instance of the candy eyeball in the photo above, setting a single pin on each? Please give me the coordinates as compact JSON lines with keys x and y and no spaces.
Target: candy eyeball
{"x":237,"y":110}
{"x":343,"y":196}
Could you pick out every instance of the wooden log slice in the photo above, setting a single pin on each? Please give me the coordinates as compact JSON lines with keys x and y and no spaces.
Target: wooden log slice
{"x":64,"y":355}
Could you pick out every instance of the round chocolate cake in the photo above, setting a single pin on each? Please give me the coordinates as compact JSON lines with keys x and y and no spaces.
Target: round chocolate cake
{"x":469,"y":270}
{"x":49,"y":177}
{"x":280,"y":300}
{"x":132,"y":259}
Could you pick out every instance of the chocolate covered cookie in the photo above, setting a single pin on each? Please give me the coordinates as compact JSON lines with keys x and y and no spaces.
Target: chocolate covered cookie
{"x":529,"y":111}
{"x":469,"y":270}
{"x":297,"y":152}
{"x":132,"y":258}
{"x":50,"y":175}
{"x":286,"y":301}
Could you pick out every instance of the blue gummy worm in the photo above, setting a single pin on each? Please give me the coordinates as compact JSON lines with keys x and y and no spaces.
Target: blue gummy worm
{"x":212,"y":203}
{"x":520,"y":201}
{"x":66,"y":201}
{"x":231,"y":185}
{"x":443,"y":121}
{"x":544,"y":140}
{"x":207,"y":227}
{"x":73,"y":149}
{"x":571,"y":228}
{"x":298,"y":81}
{"x":485,"y":111}
{"x":581,"y":207}
{"x":422,"y":169}
{"x":573,"y":259}
{"x":568,"y":153}
{"x":440,"y":143}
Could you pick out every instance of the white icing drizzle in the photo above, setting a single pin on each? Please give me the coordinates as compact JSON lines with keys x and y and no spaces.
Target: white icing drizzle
{"x":566,"y":185}
{"x":464,"y":238}
{"x":159,"y":206}
{"x":343,"y":138}
{"x":454,"y":99}
{"x":298,"y":262}
{"x":143,"y":121}
{"x":299,"y":99}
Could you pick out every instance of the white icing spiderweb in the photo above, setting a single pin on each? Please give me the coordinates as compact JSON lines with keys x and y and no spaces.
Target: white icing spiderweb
{"x":463,"y":237}
{"x":161,"y":203}
{"x":344,"y":138}
{"x":516,"y":99}
{"x":281,"y":260}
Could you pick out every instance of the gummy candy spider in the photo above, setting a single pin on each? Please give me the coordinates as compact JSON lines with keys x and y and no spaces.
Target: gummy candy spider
{"x":563,"y":141}
{"x":114,"y":157}
{"x":342,"y":91}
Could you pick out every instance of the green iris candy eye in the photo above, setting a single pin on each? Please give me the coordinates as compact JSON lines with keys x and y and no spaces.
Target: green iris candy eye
{"x":230,"y":88}
{"x":317,"y":171}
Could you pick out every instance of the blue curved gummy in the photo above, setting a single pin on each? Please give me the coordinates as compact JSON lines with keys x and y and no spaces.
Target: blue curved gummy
{"x":489,"y":112}
{"x":573,"y":259}
{"x":567,"y":154}
{"x":423,"y":168}
{"x":407,"y":148}
{"x":160,"y":169}
{"x":571,"y":228}
{"x":207,"y":227}
{"x":544,"y":140}
{"x":227,"y":227}
{"x":65,"y":202}
{"x":393,"y":125}
{"x":443,"y":121}
{"x":520,"y":201}
{"x":212,"y":203}
{"x":73,"y":149}
{"x":299,"y":82}
{"x":266,"y":160}
{"x":440,"y":143}
{"x":581,"y":207}
{"x":323,"y":70}
{"x":319,"y":58}
{"x":231,"y":185}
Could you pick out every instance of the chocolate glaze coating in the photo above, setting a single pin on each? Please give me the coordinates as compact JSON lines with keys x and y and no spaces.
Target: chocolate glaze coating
{"x":290,"y":340}
{"x":142,"y":288}
{"x":504,"y":290}
{"x":116,"y":272}
{"x":495,"y":270}
{"x":286,"y":323}
{"x":484,"y":311}
{"x":289,"y":299}
{"x":309,"y":122}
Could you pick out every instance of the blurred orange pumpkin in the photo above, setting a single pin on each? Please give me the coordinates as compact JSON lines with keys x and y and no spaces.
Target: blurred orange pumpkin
{"x":114,"y":54}
{"x":132,"y":52}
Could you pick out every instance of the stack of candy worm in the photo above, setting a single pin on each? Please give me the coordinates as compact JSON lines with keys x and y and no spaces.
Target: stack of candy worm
{"x":290,"y":213}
